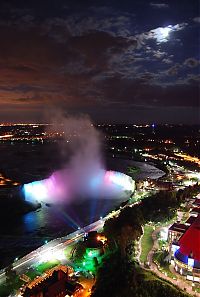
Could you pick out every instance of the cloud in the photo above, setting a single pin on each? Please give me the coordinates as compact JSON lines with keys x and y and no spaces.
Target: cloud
{"x":167,"y":61}
{"x":193,"y":79}
{"x":191,"y":62}
{"x":90,"y":60}
{"x":144,"y":90}
{"x":173,"y":70}
{"x":196,"y":19}
{"x":159,"y":5}
{"x":106,"y":19}
{"x":23,"y":68}
{"x":160,"y":34}
{"x":159,"y":54}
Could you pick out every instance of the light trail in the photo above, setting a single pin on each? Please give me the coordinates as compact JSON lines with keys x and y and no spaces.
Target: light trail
{"x":189,"y":158}
{"x":6,"y":136}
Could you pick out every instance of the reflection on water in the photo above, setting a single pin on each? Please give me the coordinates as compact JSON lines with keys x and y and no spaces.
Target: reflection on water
{"x":33,"y":220}
{"x":60,"y":220}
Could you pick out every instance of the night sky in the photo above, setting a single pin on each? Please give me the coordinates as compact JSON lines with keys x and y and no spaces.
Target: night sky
{"x":118,"y":61}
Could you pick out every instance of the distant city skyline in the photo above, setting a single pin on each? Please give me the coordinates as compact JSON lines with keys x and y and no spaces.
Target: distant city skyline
{"x":119,"y":62}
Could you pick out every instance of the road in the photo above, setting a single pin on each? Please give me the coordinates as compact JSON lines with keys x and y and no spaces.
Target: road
{"x":58,"y":244}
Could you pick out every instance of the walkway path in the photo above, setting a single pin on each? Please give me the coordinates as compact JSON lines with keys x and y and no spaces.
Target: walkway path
{"x":153,"y":267}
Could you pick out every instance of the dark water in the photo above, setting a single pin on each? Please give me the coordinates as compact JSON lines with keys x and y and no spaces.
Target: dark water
{"x":22,"y":235}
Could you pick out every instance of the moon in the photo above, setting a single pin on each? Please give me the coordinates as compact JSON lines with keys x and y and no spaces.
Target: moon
{"x":165,"y":31}
{"x":162,"y":34}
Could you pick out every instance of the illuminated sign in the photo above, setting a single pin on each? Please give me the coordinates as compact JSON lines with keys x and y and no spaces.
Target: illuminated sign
{"x":175,"y":248}
{"x":191,"y":262}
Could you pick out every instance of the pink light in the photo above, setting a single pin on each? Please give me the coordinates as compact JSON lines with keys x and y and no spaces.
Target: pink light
{"x":63,"y":186}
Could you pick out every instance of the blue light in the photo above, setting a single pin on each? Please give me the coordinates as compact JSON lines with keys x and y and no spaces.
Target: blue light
{"x":181,"y":257}
{"x":191,"y":262}
{"x":35,"y":191}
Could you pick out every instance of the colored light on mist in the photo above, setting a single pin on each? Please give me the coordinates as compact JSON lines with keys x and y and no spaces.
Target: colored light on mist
{"x":96,"y":181}
{"x":119,"y":179}
{"x":35,"y":191}
{"x":60,"y":188}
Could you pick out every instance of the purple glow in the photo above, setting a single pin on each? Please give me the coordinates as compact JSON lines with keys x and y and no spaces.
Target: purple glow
{"x":63,"y":186}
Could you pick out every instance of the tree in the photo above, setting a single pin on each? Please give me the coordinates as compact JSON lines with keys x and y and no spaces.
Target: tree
{"x":79,"y":252}
{"x":10,"y":274}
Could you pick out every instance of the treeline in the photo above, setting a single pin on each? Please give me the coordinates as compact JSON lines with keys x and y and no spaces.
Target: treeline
{"x":120,"y":275}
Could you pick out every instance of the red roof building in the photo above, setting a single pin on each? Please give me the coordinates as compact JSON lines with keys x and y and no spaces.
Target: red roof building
{"x":197,"y":202}
{"x":190,"y":241}
{"x":195,"y":211}
{"x":187,"y":255}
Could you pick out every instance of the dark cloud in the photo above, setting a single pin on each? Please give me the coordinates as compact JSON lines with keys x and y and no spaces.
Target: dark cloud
{"x":146,"y":77}
{"x":159,"y":5}
{"x":167,"y":61}
{"x":191,"y":62}
{"x":141,"y":91}
{"x":28,"y":99}
{"x":196,"y":19}
{"x":23,"y":68}
{"x":194,"y":79}
{"x":173,"y":70}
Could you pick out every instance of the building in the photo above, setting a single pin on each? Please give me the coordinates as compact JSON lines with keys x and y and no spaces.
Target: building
{"x":94,"y":245}
{"x":176,"y":231}
{"x":196,"y":202}
{"x":187,"y":253}
{"x":53,"y":283}
{"x":164,"y":185}
{"x":94,"y":250}
{"x":195,"y":211}
{"x":190,"y":220}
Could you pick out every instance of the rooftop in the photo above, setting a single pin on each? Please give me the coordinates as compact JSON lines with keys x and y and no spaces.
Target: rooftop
{"x":178,"y":227}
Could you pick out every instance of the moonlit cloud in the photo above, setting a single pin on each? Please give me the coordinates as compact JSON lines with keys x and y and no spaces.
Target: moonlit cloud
{"x":162,"y":34}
